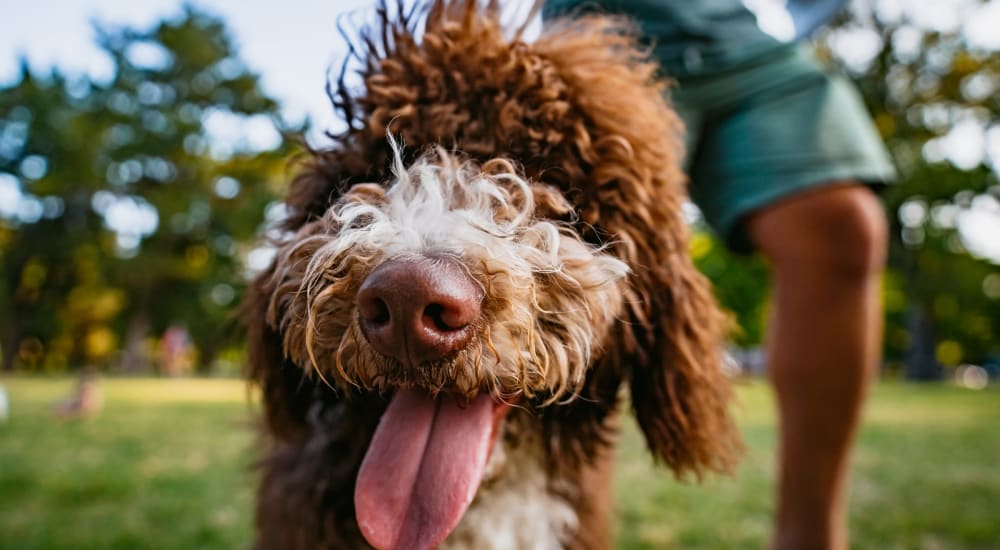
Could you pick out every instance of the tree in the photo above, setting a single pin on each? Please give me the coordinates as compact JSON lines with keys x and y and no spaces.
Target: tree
{"x":130,"y":216}
{"x":931,"y":87}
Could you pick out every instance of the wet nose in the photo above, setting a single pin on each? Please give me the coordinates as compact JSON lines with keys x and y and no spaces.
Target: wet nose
{"x":418,"y":310}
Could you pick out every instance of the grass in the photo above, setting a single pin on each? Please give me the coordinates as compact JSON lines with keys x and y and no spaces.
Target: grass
{"x":166,"y":465}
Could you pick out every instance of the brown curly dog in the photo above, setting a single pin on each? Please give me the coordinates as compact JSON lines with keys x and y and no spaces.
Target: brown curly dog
{"x":492,"y":248}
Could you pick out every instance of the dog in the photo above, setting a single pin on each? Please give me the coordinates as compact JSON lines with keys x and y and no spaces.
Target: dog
{"x":466,"y":282}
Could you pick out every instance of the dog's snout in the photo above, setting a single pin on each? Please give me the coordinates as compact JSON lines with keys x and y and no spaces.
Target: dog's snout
{"x":418,"y":310}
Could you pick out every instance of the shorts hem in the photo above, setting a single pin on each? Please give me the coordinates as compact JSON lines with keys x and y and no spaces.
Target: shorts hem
{"x":731,"y":224}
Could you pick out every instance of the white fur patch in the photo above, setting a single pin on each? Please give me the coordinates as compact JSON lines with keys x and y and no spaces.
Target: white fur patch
{"x":516,"y":510}
{"x":443,"y":205}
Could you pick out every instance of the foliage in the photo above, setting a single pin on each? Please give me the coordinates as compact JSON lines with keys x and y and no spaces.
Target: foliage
{"x":130,"y":217}
{"x":740,"y":284}
{"x":925,"y":475}
{"x":932,"y":92}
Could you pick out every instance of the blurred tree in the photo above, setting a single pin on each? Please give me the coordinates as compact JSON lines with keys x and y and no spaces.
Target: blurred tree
{"x":122,"y":212}
{"x":741,"y":285}
{"x":931,"y":78}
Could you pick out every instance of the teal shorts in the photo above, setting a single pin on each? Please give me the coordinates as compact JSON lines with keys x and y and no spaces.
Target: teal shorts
{"x":765,"y":130}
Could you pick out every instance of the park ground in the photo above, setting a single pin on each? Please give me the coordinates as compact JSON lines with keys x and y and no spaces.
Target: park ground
{"x":167,"y":464}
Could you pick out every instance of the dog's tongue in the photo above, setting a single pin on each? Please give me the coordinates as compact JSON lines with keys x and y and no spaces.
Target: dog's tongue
{"x":422,"y":469}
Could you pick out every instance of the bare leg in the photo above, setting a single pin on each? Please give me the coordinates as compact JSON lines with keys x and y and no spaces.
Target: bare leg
{"x":827,"y":249}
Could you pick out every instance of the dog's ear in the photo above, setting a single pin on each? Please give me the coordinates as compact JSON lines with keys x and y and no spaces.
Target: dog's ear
{"x":623,"y":157}
{"x":284,"y":390}
{"x":680,"y":393}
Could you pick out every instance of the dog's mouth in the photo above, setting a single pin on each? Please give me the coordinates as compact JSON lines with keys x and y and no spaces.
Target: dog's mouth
{"x":423,"y":467}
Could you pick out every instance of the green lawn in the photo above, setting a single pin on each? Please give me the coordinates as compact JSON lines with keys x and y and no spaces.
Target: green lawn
{"x":166,"y":465}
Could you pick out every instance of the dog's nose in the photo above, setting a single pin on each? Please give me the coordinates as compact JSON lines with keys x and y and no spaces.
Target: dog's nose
{"x":418,"y":310}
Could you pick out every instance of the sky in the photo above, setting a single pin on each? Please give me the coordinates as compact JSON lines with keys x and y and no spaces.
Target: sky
{"x":294,"y":44}
{"x":291,"y":43}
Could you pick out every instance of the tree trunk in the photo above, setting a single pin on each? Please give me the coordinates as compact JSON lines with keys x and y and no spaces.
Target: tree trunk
{"x":921,"y":362}
{"x":11,"y":339}
{"x":12,"y":322}
{"x":134,"y":358}
{"x":207,"y":353}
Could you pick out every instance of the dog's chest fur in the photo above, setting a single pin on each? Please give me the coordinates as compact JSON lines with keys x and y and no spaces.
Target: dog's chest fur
{"x":519,"y":505}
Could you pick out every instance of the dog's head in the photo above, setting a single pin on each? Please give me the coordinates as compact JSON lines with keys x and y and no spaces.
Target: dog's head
{"x":450,"y":278}
{"x":454,"y":290}
{"x":540,"y":266}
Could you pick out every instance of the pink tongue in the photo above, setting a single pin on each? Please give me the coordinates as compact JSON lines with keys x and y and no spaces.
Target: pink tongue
{"x":422,"y":469}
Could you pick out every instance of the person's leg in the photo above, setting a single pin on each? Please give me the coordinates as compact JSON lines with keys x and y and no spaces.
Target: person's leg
{"x":827,"y":249}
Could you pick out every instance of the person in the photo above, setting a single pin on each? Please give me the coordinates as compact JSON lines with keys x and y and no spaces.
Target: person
{"x":782,"y":157}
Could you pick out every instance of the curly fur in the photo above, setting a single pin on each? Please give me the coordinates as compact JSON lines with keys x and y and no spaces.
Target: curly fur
{"x":545,"y":291}
{"x":550,"y":172}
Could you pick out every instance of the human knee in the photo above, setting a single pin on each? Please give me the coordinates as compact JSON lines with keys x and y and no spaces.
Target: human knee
{"x":841,"y":232}
{"x":855,"y":232}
